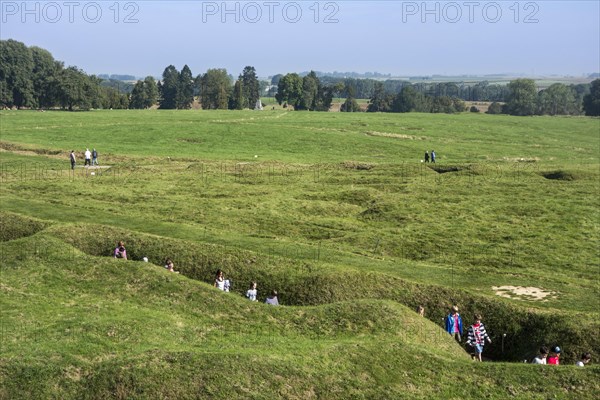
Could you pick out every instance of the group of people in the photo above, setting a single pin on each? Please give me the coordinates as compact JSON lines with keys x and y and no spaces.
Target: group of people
{"x":476,"y":334}
{"x":553,"y":357}
{"x":220,"y":282}
{"x":477,"y":337}
{"x":90,"y":158}
{"x":251,"y":294}
{"x":429,"y":156}
{"x":121,"y":252}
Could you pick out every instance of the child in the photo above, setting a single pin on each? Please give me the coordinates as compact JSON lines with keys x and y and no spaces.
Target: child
{"x":541,"y":358}
{"x":421,"y":311}
{"x":554,"y":357}
{"x":476,"y":336}
{"x":585,"y":358}
{"x":120,"y":251}
{"x":272,"y":299}
{"x":219,"y":280}
{"x":251,"y":293}
{"x":170,"y":266}
{"x":454,"y":325}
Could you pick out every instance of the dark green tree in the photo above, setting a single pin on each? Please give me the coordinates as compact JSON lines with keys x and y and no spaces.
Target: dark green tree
{"x":238,"y":100}
{"x":250,"y":86}
{"x":16,"y":70}
{"x":558,"y":99}
{"x":380,"y":100}
{"x":215,"y":87}
{"x":185,"y":89}
{"x":275,"y":79}
{"x":168,"y":88}
{"x":150,"y":92}
{"x":75,"y":89}
{"x":112,"y":99}
{"x":494,"y":108}
{"x":350,"y":105}
{"x":45,"y":70}
{"x":138,"y":96}
{"x":522,"y":97}
{"x":325,"y":96}
{"x":289,"y":90}
{"x":591,"y":101}
{"x":407,"y":100}
{"x":310,"y":91}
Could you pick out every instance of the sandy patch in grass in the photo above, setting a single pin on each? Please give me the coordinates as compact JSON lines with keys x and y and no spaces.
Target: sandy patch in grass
{"x":524,"y":293}
{"x":395,"y":135}
{"x":521,"y":159}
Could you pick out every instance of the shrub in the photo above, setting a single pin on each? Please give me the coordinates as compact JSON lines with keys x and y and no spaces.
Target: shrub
{"x":495,"y":108}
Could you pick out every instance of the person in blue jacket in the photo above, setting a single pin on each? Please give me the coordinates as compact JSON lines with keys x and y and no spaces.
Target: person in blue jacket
{"x":454,"y":325}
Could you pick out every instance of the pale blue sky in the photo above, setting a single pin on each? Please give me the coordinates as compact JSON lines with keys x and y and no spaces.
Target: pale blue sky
{"x":398,"y":37}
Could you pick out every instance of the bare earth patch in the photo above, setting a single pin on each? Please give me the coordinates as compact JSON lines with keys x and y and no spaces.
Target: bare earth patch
{"x":524,"y":293}
{"x":521,"y":159}
{"x":395,"y":135}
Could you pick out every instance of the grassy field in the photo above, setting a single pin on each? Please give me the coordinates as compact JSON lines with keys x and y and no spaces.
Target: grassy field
{"x":335,"y":211}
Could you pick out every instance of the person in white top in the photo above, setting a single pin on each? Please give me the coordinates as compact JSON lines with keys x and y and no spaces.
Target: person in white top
{"x":541,"y":358}
{"x":220,"y":282}
{"x":272,"y":299}
{"x":585,"y":358}
{"x":252,"y":292}
{"x":88,"y":158}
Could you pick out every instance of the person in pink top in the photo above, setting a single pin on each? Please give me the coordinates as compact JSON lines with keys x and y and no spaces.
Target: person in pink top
{"x":120,"y":251}
{"x":554,"y":357}
{"x":454,"y":325}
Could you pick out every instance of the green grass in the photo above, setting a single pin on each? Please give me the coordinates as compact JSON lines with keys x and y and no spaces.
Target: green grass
{"x":336,"y":212}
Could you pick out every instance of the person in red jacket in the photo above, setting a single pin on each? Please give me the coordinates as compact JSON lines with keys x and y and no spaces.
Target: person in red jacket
{"x":477,"y":336}
{"x":554,"y":357}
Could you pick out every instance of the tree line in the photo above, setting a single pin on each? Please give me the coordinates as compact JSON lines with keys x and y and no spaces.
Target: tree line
{"x":31,"y":78}
{"x":522,"y":98}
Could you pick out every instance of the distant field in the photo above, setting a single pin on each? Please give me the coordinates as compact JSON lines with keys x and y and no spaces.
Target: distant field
{"x":337,"y":212}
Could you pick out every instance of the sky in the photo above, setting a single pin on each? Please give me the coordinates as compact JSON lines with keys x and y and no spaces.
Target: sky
{"x":402,"y":38}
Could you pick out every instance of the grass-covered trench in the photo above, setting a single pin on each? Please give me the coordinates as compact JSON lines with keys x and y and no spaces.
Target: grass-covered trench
{"x":334,"y":211}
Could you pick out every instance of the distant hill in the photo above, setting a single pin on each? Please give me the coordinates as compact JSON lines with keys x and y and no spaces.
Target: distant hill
{"x":118,"y":77}
{"x":337,"y":74}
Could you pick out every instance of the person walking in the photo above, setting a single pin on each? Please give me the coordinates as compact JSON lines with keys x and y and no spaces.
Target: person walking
{"x":426,"y":156}
{"x":88,"y":158}
{"x":433,"y":156}
{"x":94,"y":157}
{"x":72,"y":158}
{"x":252,"y":292}
{"x":454,"y":324}
{"x":477,"y":336}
